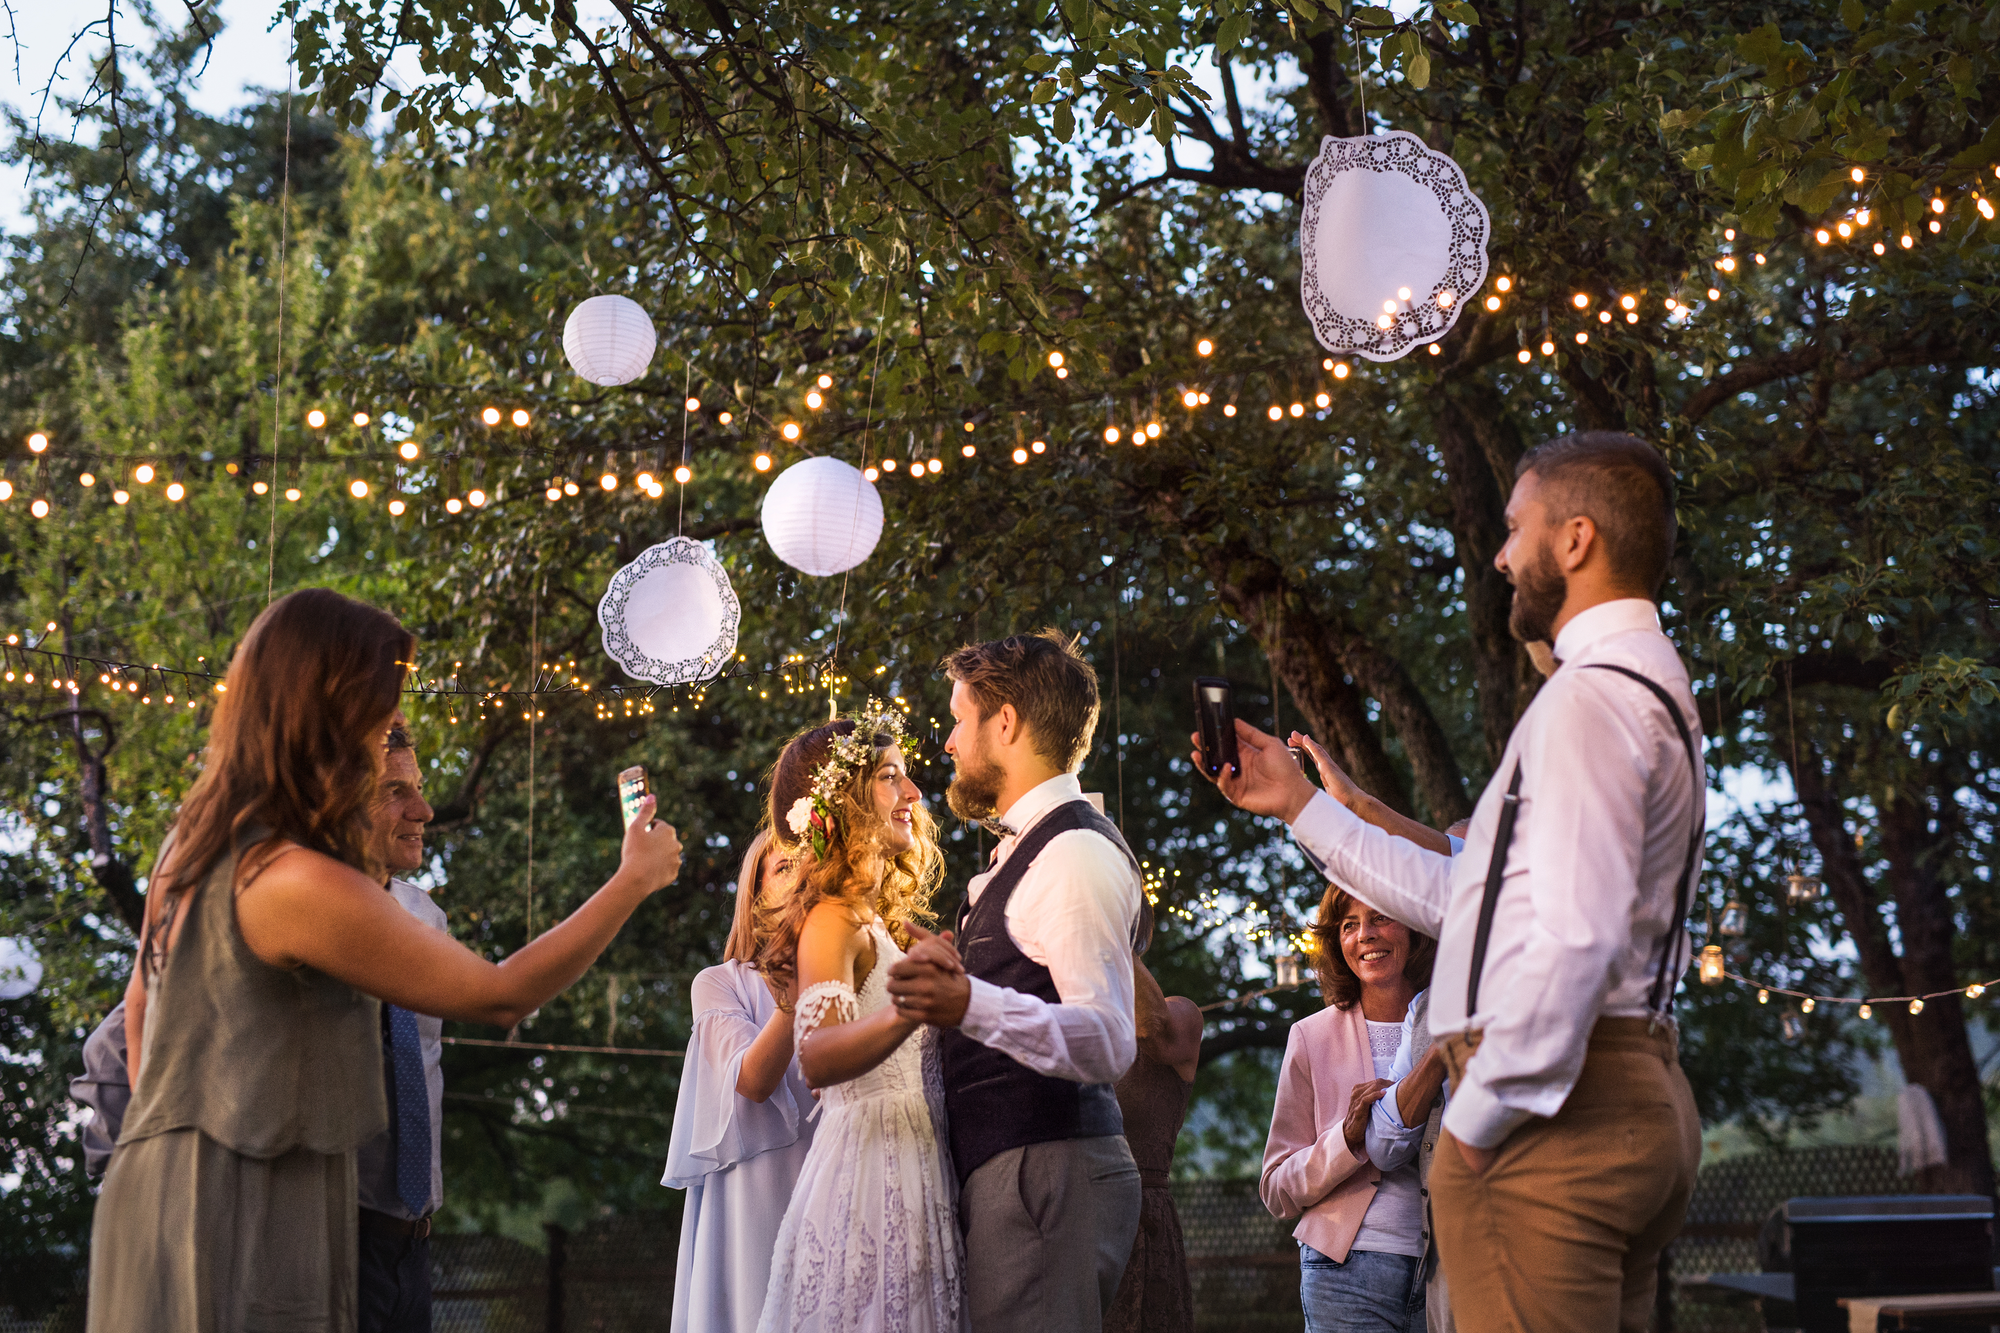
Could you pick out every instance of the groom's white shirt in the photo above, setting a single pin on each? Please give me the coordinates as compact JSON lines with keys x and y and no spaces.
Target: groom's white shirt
{"x":1073,"y":913}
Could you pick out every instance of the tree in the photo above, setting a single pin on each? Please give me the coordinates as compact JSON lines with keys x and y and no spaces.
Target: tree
{"x":882,"y":201}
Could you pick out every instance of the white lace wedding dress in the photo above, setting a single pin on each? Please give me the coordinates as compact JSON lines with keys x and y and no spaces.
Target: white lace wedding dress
{"x":870,"y":1241}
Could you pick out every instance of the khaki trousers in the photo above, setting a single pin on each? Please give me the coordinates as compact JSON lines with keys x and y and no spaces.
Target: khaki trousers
{"x":1563,"y":1233}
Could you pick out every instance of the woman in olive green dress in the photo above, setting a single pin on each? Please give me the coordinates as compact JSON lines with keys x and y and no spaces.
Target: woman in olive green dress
{"x":253,"y":1028}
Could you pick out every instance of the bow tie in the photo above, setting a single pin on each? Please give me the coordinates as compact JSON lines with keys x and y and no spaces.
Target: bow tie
{"x":997,"y":828}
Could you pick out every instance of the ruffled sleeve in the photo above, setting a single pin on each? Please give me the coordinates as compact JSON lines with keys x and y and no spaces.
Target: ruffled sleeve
{"x":714,"y":1125}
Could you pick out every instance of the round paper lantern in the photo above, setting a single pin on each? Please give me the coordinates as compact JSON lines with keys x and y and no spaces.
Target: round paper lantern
{"x":1393,"y":244}
{"x":822,"y":516}
{"x":670,"y":616}
{"x":20,"y":970}
{"x":609,"y":340}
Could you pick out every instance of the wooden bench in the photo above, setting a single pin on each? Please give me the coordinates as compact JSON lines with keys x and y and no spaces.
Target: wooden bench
{"x":1954,"y":1309}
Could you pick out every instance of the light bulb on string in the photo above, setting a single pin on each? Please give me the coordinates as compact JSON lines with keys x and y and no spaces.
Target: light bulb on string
{"x":122,"y":496}
{"x":1204,"y":348}
{"x":1275,"y":412}
{"x":143,"y":474}
{"x":396,"y":508}
{"x":1341,"y":370}
{"x":1916,"y":1007}
{"x":813,"y":400}
{"x":609,"y":481}
{"x":1111,"y":434}
{"x":571,"y":488}
{"x":724,"y":418}
{"x":824,"y":382}
{"x":1866,"y":1011}
{"x":1548,"y":348}
{"x":37,"y":442}
{"x":1714,"y":294}
{"x":176,"y":492}
{"x":1229,"y":409}
{"x":1020,"y":455}
{"x":1323,"y":400}
{"x":1908,"y":241}
{"x":790,"y":430}
{"x":521,"y":417}
{"x":1808,"y":1004}
{"x":86,"y":479}
{"x":1056,"y":360}
{"x":968,"y":450}
{"x":683,"y":474}
{"x":1524,"y":356}
{"x":476,"y":498}
{"x":1581,"y":301}
{"x":360,"y":418}
{"x":316,"y":419}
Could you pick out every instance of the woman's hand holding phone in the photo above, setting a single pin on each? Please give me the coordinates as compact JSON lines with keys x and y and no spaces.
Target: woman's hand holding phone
{"x":651,"y":854}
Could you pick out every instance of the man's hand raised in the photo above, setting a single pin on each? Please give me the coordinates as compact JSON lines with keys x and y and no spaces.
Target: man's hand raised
{"x":1267,"y":781}
{"x":929,"y":984}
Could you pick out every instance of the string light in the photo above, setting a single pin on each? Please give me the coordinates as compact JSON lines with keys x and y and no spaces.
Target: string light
{"x":316,"y":419}
{"x":1056,"y":360}
{"x":1111,"y":434}
{"x":968,"y":450}
{"x":396,"y":508}
{"x":176,"y":492}
{"x":888,"y":465}
{"x":120,"y":497}
{"x":1020,"y":455}
{"x":360,"y":418}
{"x":1204,"y":348}
{"x":1504,"y":283}
{"x":609,"y":481}
{"x":725,"y":417}
{"x":1276,"y":413}
{"x":143,"y":474}
{"x":409,"y":451}
{"x":521,"y":417}
{"x":1324,"y":400}
{"x":357,"y":488}
{"x":1229,"y":409}
{"x":869,"y":474}
{"x":1190,"y":399}
{"x":40,"y":507}
{"x":1857,"y":175}
{"x":1548,"y":348}
{"x":476,"y":498}
{"x":491,"y":416}
{"x":1581,"y":301}
{"x":824,"y":382}
{"x":1492,"y":303}
{"x":86,"y":479}
{"x":684,"y":474}
{"x":1034,"y":446}
{"x":763,"y":462}
{"x":693,"y":404}
{"x":37,"y":442}
{"x":454,"y":504}
{"x":813,"y":400}
{"x":1524,"y":356}
{"x":1340,"y":370}
{"x":790,"y":430}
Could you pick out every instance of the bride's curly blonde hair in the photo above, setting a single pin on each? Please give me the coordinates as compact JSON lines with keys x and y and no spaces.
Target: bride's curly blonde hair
{"x":858,"y":870}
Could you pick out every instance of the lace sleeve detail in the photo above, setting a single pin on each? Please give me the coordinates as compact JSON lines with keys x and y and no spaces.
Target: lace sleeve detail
{"x":817,"y":1002}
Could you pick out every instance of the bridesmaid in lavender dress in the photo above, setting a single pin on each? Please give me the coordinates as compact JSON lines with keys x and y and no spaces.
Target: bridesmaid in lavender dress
{"x":741,"y":1127}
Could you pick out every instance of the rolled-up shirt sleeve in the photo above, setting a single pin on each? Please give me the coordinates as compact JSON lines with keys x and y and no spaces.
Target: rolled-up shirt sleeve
{"x":1390,"y":1142}
{"x":1075,"y":918}
{"x":1583,"y":885}
{"x":1392,"y":875}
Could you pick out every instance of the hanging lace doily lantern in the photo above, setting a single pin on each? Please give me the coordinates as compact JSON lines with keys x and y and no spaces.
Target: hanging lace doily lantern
{"x":1392,"y":243}
{"x":822,"y":516}
{"x":670,"y":616}
{"x":609,"y":340}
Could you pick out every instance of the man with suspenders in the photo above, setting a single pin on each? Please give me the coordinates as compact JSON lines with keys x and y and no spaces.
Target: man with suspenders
{"x":1037,"y":1026}
{"x":1571,"y":1139}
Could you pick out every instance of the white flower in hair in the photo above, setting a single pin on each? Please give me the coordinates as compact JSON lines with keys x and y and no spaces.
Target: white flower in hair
{"x":800,"y":815}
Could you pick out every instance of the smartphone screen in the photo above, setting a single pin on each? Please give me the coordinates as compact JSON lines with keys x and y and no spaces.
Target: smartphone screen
{"x":631,"y":791}
{"x":1215,"y":724}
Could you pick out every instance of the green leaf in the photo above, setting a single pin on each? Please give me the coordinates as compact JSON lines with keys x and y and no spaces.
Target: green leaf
{"x":1163,"y":126}
{"x":1420,"y":69}
{"x":1065,"y":122}
{"x":1045,"y":92}
{"x":1459,"y":12}
{"x":1231,"y":34}
{"x":1373,"y":16}
{"x":1852,"y":14}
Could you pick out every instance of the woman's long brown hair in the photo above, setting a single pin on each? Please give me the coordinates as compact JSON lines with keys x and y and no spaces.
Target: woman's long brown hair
{"x":295,"y":745}
{"x":855,"y":859}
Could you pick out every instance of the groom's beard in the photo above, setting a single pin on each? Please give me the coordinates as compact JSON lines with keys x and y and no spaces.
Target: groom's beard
{"x":974,"y":792}
{"x":1539,"y":590}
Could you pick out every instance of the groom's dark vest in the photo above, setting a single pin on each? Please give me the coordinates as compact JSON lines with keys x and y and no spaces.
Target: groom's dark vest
{"x":993,"y":1101}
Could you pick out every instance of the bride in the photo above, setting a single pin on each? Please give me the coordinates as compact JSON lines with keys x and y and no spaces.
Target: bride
{"x":870,"y":1240}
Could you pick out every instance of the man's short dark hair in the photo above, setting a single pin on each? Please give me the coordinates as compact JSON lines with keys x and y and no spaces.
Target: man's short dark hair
{"x":1047,"y":680}
{"x":1622,"y":485}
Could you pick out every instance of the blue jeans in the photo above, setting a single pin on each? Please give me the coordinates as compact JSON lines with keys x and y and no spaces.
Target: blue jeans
{"x":1370,"y":1293}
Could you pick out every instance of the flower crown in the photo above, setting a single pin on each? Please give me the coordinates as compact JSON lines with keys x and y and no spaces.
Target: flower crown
{"x":812,"y":817}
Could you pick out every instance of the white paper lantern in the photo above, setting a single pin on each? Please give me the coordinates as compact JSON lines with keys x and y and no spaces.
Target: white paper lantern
{"x":609,"y":340}
{"x":1392,"y":242}
{"x":20,"y":969}
{"x":671,"y":615}
{"x":822,"y":516}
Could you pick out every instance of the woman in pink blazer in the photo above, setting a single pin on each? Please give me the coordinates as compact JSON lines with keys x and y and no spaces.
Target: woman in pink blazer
{"x":1361,"y":1232}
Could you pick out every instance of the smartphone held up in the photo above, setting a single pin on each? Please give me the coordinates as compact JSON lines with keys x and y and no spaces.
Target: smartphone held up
{"x":632,"y":789}
{"x":1215,"y":725}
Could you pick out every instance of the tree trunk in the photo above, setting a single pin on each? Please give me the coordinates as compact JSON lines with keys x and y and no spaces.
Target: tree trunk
{"x":1932,"y":1047}
{"x":111,"y":873}
{"x":1479,"y":453}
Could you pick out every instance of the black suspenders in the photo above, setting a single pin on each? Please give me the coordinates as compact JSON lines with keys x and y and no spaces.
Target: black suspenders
{"x":1660,"y":998}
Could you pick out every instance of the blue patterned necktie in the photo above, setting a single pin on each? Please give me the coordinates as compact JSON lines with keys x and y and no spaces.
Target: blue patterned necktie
{"x":413,"y":1111}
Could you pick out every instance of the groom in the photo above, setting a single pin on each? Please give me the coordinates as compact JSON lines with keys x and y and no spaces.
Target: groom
{"x":1038,"y":1024}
